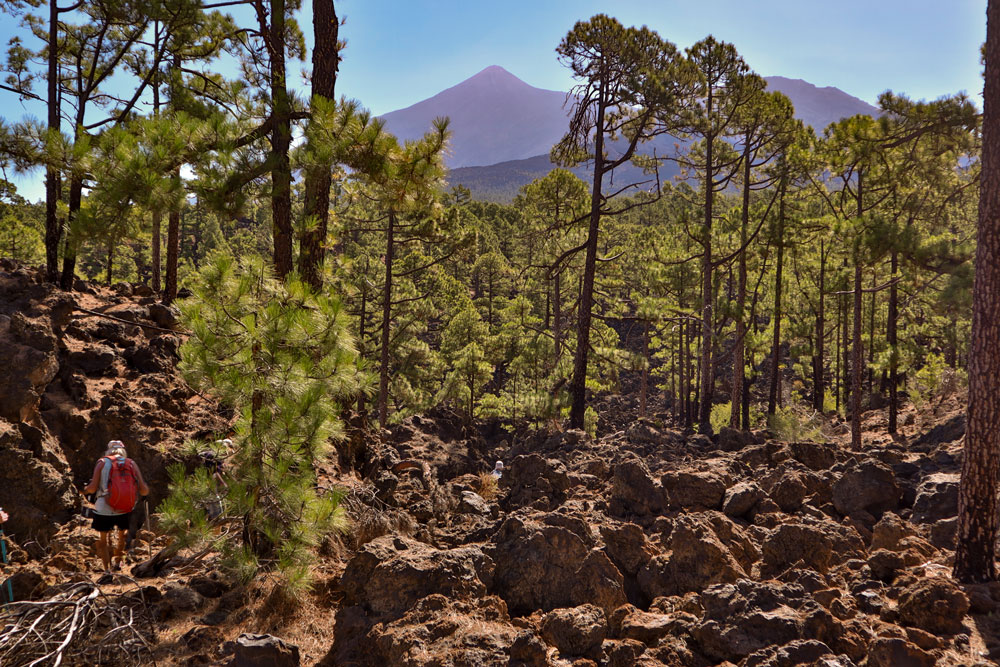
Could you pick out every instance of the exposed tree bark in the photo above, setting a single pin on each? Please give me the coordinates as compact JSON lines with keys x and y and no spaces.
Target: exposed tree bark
{"x":53,"y":230}
{"x":383,"y":374}
{"x":772,"y":394}
{"x":705,"y":400}
{"x":281,"y":140}
{"x":69,"y":254}
{"x":316,"y":207}
{"x":819,"y":388}
{"x":739,"y":345}
{"x":173,"y":250}
{"x":977,"y":499}
{"x":557,"y":315}
{"x":892,"y":340}
{"x":578,"y":386}
{"x":645,"y":369}
{"x":857,"y":345}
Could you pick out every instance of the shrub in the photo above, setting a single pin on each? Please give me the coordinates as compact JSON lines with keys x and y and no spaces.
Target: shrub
{"x":791,"y":424}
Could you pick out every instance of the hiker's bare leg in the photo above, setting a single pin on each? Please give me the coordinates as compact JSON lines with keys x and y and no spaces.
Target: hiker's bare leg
{"x":103,"y":549}
{"x":120,"y":548}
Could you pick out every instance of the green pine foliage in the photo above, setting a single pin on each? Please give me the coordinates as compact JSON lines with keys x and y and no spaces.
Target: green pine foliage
{"x":283,"y":357}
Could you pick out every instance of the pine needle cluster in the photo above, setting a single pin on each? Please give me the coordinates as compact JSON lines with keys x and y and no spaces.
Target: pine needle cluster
{"x":282,"y":357}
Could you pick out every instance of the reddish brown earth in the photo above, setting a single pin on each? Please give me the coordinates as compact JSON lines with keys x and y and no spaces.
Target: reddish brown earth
{"x":645,"y":546}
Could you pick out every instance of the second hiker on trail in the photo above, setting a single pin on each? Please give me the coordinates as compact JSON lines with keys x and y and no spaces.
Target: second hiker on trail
{"x":118,"y":484}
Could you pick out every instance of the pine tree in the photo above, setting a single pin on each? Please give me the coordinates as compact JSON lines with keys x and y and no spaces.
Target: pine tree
{"x":977,"y":500}
{"x":282,"y":357}
{"x":631,"y":85}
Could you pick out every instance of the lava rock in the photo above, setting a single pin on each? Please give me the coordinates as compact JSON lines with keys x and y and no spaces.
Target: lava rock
{"x":264,"y":651}
{"x":870,"y":486}
{"x":389,"y":574}
{"x":575,"y":631}
{"x":936,"y":605}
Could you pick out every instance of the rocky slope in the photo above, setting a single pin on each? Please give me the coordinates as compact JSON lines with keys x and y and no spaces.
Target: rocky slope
{"x":644,"y":546}
{"x":72,"y":380}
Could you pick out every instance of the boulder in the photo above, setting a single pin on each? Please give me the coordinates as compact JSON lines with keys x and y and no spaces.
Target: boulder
{"x":732,"y":440}
{"x":532,"y":481}
{"x":439,"y":631}
{"x":543,"y":565}
{"x":937,"y":498}
{"x":93,"y":359}
{"x":528,"y":651}
{"x":695,"y":558}
{"x":182,"y":598}
{"x":791,"y":543}
{"x":936,"y":605}
{"x":869,"y":486}
{"x":949,"y":431}
{"x":27,"y":369}
{"x":748,"y":616}
{"x":264,"y":651}
{"x":575,"y":631}
{"x":798,"y":652}
{"x":627,"y":546}
{"x":634,"y":491}
{"x":741,"y":498}
{"x":889,"y":530}
{"x":814,"y":455}
{"x":897,"y":652}
{"x":390,"y":574}
{"x":693,"y":489}
{"x":167,"y":317}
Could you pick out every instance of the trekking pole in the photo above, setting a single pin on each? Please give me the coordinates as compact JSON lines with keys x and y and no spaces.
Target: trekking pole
{"x":149,"y":526}
{"x":3,"y":550}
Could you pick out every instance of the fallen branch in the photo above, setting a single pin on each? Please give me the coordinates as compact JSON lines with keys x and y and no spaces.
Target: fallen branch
{"x":78,"y":624}
{"x":138,"y":324}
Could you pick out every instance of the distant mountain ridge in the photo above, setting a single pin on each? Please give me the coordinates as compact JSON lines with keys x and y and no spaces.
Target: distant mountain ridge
{"x":495,"y":117}
{"x":503,"y":128}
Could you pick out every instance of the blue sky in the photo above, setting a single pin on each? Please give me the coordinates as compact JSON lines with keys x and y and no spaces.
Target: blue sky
{"x":400,"y":52}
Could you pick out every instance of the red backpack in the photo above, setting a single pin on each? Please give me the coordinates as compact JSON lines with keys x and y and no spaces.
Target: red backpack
{"x":123,"y":487}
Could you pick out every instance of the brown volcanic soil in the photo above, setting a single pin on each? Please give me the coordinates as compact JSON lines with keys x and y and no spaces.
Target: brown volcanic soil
{"x":645,"y":546}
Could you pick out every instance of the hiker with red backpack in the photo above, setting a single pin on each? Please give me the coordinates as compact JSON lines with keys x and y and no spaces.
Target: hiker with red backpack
{"x":118,"y":484}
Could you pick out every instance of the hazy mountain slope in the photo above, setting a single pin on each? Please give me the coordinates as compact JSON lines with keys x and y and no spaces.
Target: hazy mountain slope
{"x":503,"y":129}
{"x":817,"y":106}
{"x":495,"y":117}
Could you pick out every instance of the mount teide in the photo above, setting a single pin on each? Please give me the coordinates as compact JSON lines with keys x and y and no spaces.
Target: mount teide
{"x":502,"y":128}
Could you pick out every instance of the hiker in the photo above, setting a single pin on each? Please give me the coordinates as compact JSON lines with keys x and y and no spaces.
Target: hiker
{"x":498,"y":470}
{"x":118,"y":482}
{"x":213,"y":463}
{"x":3,"y":516}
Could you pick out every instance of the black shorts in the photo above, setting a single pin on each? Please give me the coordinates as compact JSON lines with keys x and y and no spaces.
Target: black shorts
{"x":102,"y":523}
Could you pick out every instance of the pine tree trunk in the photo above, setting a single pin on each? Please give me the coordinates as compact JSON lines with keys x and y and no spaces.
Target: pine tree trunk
{"x":645,"y":369}
{"x":316,"y":206}
{"x":977,"y":499}
{"x":819,"y":390}
{"x":69,"y":254}
{"x":739,"y":346}
{"x":383,"y":373}
{"x":705,"y":387}
{"x":173,"y":250}
{"x":890,"y":335}
{"x":772,"y":394}
{"x":578,"y":387}
{"x":557,"y":315}
{"x":361,"y":340}
{"x":111,"y":255}
{"x":53,"y":230}
{"x":845,"y":352}
{"x":856,"y":360}
{"x":281,"y":139}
